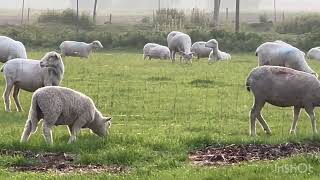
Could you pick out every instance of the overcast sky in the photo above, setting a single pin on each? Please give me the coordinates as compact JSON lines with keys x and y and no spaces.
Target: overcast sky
{"x":295,"y":5}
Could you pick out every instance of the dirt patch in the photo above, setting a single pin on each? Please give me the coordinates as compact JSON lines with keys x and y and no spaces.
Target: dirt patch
{"x":234,"y":154}
{"x":58,"y":162}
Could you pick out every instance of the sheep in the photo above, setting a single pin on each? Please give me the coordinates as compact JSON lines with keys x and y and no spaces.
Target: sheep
{"x":78,"y":49}
{"x":147,"y":48}
{"x":314,"y":53}
{"x":215,"y":53}
{"x":280,"y":54}
{"x":180,"y":42}
{"x":30,"y":75}
{"x":200,"y":50}
{"x":159,"y":52}
{"x":11,"y":49}
{"x":63,"y":106}
{"x":284,"y":43}
{"x":282,"y":87}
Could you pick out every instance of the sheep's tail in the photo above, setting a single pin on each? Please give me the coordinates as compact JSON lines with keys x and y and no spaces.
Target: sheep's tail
{"x":248,"y":84}
{"x":2,"y":68}
{"x":32,"y":122}
{"x":33,"y":114}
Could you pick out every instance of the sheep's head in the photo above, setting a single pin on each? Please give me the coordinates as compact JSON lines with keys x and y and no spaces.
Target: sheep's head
{"x":51,"y":59}
{"x":187,"y":56}
{"x":97,"y":44}
{"x":101,"y":125}
{"x":212,"y":44}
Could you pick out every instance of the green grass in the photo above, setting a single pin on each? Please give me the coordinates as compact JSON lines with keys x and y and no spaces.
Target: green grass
{"x":161,"y":112}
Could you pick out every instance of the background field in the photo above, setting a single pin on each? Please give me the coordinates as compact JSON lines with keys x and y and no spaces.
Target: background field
{"x":161,"y":112}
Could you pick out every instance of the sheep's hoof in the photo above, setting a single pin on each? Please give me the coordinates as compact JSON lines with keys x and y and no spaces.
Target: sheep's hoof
{"x":292,"y":132}
{"x":8,"y":110}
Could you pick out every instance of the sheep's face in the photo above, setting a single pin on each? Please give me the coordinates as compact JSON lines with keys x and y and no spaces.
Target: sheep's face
{"x":187,"y":56}
{"x":51,"y":59}
{"x":212,"y":44}
{"x":101,"y":127}
{"x":97,"y":44}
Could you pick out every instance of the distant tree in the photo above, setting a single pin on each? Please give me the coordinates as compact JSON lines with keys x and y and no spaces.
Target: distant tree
{"x":237,"y":15}
{"x":216,"y":13}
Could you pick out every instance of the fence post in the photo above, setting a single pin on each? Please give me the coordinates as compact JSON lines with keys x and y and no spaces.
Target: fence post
{"x":28,"y":15}
{"x":110,"y":19}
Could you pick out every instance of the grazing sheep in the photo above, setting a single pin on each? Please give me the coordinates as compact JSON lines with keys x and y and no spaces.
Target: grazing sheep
{"x":283,"y":87}
{"x":159,"y":52}
{"x":180,"y":42}
{"x":11,"y":49}
{"x":30,"y":75}
{"x":78,"y":49}
{"x":146,"y":49}
{"x":314,"y":53}
{"x":282,"y":54}
{"x":64,"y":106}
{"x":200,"y":50}
{"x":216,"y":54}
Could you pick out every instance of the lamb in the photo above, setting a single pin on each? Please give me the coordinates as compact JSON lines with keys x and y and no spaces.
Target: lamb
{"x":11,"y":49}
{"x":64,"y":106}
{"x":180,"y":42}
{"x":30,"y":75}
{"x":280,"y":54}
{"x":200,"y":50}
{"x":146,"y":49}
{"x":283,"y":87}
{"x":78,"y":49}
{"x":215,"y":53}
{"x":158,"y":52}
{"x":314,"y":53}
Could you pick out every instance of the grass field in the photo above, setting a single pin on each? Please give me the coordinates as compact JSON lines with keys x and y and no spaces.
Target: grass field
{"x":161,"y":111}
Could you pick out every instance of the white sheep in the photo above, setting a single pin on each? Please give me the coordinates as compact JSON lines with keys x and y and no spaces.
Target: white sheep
{"x":64,"y":106}
{"x":280,"y":54}
{"x":216,"y":54}
{"x":78,"y":49}
{"x":283,"y":87}
{"x":146,"y":49}
{"x":200,"y":50}
{"x":180,"y":42}
{"x":11,"y":49}
{"x":158,"y":52}
{"x":30,"y":75}
{"x":314,"y":53}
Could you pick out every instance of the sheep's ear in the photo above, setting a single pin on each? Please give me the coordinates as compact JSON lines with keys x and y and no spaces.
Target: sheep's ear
{"x":107,"y":119}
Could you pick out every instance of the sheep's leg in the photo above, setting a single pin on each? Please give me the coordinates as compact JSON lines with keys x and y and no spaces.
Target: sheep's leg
{"x":6,"y":95}
{"x":310,"y":111}
{"x":47,"y":132}
{"x":296,"y":114}
{"x":26,"y":132}
{"x":75,"y":129}
{"x":263,"y":124}
{"x":16,"y":91}
{"x":255,"y":111}
{"x":173,"y":56}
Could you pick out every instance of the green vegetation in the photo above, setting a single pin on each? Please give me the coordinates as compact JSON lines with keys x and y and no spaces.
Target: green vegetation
{"x":161,"y":112}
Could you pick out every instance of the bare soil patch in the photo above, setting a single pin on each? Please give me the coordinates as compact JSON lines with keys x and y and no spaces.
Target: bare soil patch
{"x":234,"y":154}
{"x":59,"y":162}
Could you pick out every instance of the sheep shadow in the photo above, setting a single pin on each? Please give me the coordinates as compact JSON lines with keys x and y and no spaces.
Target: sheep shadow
{"x":205,"y":83}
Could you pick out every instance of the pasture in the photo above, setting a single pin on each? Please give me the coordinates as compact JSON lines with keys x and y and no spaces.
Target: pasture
{"x":161,"y":111}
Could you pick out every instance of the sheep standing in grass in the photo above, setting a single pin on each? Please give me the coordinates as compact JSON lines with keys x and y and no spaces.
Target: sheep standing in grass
{"x":64,"y":106}
{"x":30,"y":75}
{"x":216,"y":54}
{"x":280,"y":54}
{"x":78,"y":49}
{"x":200,"y":50}
{"x":314,"y":53}
{"x":11,"y":49}
{"x":283,"y":87}
{"x":180,"y":42}
{"x":146,"y":49}
{"x":159,"y":52}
